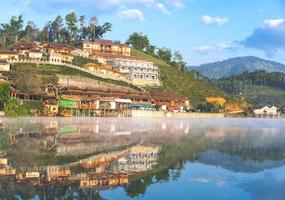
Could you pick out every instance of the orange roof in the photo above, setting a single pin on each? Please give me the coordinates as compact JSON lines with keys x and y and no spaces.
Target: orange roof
{"x":219,"y":100}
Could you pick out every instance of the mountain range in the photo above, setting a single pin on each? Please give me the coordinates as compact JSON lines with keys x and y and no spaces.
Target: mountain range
{"x":237,"y":65}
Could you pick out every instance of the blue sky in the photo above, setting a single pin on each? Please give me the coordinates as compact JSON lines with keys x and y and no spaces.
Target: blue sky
{"x":203,"y":30}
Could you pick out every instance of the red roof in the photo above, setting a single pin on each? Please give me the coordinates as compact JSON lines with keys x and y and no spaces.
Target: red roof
{"x":4,"y":62}
{"x":7,"y":52}
{"x":105,"y":42}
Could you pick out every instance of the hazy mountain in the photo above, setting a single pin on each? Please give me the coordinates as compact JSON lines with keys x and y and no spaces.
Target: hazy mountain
{"x":238,"y":65}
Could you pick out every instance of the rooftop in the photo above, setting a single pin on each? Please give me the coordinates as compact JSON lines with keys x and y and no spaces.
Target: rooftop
{"x":8,"y":52}
{"x":4,"y":62}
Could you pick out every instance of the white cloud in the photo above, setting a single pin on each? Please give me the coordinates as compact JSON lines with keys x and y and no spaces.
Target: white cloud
{"x":274,"y":22}
{"x":100,"y":5}
{"x":131,"y":14}
{"x":206,"y":49}
{"x":178,"y":4}
{"x":208,"y":20}
{"x":161,"y":7}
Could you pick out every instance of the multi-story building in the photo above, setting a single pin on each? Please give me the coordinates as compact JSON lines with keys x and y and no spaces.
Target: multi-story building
{"x":142,"y":72}
{"x":106,"y":47}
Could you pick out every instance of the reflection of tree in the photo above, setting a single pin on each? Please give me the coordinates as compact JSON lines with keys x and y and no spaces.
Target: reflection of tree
{"x":174,"y":155}
{"x":172,"y":158}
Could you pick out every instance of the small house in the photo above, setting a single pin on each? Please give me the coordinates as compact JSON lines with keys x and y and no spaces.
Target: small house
{"x":25,"y":48}
{"x":35,"y":54}
{"x":4,"y":65}
{"x":66,"y":57}
{"x":55,"y":58}
{"x":266,"y":111}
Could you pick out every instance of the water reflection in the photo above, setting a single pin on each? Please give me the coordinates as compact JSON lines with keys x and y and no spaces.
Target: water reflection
{"x":82,"y":158}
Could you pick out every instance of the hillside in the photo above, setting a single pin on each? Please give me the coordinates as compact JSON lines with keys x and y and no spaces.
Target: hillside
{"x":260,"y":88}
{"x":238,"y":65}
{"x":185,"y":83}
{"x":46,"y":73}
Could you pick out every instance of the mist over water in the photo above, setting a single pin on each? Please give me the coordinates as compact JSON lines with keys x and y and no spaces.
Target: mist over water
{"x":141,"y":158}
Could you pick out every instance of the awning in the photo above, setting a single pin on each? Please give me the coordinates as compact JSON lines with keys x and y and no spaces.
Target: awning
{"x":123,"y":100}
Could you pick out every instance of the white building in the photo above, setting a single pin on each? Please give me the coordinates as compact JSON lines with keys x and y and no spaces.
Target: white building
{"x":266,"y":111}
{"x":55,"y":57}
{"x":35,"y":54}
{"x":4,"y":65}
{"x":141,"y":72}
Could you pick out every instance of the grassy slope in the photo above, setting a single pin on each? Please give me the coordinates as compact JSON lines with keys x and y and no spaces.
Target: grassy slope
{"x":52,"y":70}
{"x":183,"y":83}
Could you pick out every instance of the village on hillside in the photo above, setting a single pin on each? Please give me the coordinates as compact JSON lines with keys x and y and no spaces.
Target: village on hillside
{"x":67,"y":69}
{"x":75,"y":95}
{"x":83,"y":96}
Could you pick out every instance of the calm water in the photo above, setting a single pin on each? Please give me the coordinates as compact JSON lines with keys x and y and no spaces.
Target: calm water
{"x":135,"y":158}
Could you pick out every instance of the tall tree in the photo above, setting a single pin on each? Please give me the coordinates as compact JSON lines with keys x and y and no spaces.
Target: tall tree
{"x":5,"y":32}
{"x":16,"y":26}
{"x":92,"y":28}
{"x":71,"y":22}
{"x":56,"y":27}
{"x":101,"y":30}
{"x":138,"y":41}
{"x":82,"y":27}
{"x":164,"y":54}
{"x":150,"y":49}
{"x":31,"y":32}
{"x":177,"y":57}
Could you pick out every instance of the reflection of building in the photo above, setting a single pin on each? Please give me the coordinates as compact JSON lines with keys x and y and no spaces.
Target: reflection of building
{"x":106,"y":180}
{"x":139,"y":158}
{"x":56,"y":172}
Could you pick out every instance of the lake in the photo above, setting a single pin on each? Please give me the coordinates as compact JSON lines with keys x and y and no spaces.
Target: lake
{"x":142,"y":158}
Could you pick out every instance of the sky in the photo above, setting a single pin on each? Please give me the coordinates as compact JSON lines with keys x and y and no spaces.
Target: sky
{"x":202,"y":30}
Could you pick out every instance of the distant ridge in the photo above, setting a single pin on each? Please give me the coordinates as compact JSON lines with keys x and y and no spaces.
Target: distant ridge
{"x":238,"y":65}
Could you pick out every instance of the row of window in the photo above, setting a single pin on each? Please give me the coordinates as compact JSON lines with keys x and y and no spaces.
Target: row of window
{"x":146,"y":76}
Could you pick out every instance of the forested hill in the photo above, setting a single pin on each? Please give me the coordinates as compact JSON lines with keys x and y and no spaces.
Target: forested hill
{"x":260,"y":87}
{"x":238,"y":65}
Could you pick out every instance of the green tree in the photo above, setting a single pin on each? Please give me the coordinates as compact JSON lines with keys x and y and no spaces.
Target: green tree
{"x":150,"y":50}
{"x":71,"y":22}
{"x":56,"y":27}
{"x":138,"y":41}
{"x":92,"y":28}
{"x":82,"y":27}
{"x":164,"y":54}
{"x":101,"y":30}
{"x":44,"y":35}
{"x":177,"y":57}
{"x":16,"y":25}
{"x":31,"y":32}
